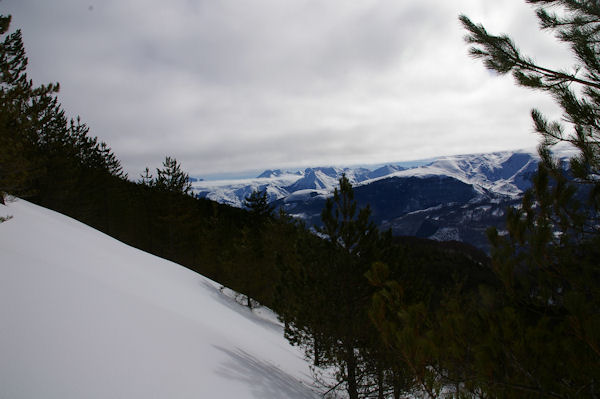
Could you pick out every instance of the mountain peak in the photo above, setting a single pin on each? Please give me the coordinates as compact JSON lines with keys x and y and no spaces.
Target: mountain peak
{"x":270,"y":173}
{"x":385,"y":170}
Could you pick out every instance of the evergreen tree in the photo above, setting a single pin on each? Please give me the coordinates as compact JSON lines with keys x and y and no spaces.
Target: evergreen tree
{"x":330,"y":295}
{"x":536,"y":332}
{"x":91,"y":153}
{"x":258,"y":205}
{"x":42,"y":156}
{"x":172,"y":178}
{"x":352,"y":238}
{"x":426,"y":309}
{"x":146,"y":178}
{"x":173,"y":214}
{"x":253,"y":276}
{"x":21,"y":105}
{"x":538,"y":336}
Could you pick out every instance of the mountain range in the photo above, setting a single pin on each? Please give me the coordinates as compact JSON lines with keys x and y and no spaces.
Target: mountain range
{"x":450,"y":198}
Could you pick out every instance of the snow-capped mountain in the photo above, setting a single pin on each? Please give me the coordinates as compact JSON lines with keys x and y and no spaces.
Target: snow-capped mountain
{"x":385,"y":171}
{"x":504,"y":173}
{"x":453,"y":197}
{"x":279,"y":184}
{"x":86,"y":316}
{"x":233,"y":192}
{"x":326,"y":179}
{"x":269,"y":174}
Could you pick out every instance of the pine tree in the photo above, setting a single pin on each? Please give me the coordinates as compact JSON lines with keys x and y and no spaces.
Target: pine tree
{"x":258,"y":205}
{"x":549,"y":261}
{"x":173,"y":213}
{"x":41,"y":154}
{"x":328,"y":310}
{"x":21,"y":108}
{"x":146,"y":178}
{"x":91,"y":153}
{"x":254,"y":275}
{"x":172,"y":178}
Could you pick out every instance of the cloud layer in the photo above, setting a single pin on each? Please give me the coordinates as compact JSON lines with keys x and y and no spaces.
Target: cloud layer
{"x":231,"y":85}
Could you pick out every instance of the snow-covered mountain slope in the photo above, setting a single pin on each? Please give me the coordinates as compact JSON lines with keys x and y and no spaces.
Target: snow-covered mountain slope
{"x":505,"y":173}
{"x":278,"y":184}
{"x":233,"y":192}
{"x":451,"y":198}
{"x":454,"y":197}
{"x":86,"y":316}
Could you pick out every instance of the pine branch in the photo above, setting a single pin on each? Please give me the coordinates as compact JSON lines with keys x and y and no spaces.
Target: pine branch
{"x":501,"y":55}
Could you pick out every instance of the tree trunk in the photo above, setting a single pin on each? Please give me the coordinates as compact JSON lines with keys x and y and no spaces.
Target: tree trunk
{"x":397,"y":388}
{"x":351,"y":372}
{"x":380,"y":383}
{"x":317,"y":359}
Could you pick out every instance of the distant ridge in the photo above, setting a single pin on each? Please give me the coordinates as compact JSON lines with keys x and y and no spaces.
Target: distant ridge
{"x":450,"y":198}
{"x":503,"y":172}
{"x":267,"y":174}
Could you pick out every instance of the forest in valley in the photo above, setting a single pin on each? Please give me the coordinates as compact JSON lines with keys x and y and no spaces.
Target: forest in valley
{"x":388,"y":316}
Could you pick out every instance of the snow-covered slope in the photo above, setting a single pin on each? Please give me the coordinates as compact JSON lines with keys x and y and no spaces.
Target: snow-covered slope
{"x":85,"y":316}
{"x":505,"y":173}
{"x":233,"y":192}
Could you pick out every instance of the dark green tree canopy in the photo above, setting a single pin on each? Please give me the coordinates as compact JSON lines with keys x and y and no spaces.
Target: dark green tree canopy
{"x":21,"y":106}
{"x":258,"y":204}
{"x":146,"y":178}
{"x":37,"y":141}
{"x":545,"y":318}
{"x":342,"y":224}
{"x":172,"y":178}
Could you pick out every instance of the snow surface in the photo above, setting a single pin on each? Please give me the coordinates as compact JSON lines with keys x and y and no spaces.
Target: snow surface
{"x":86,"y":316}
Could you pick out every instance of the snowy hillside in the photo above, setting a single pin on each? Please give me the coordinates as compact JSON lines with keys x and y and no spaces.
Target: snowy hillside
{"x":85,"y":316}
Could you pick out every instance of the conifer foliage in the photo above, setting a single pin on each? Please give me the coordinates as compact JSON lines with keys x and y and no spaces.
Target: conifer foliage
{"x":258,"y":205}
{"x":41,"y":150}
{"x":172,"y":178}
{"x":533,"y":330}
{"x":20,"y":109}
{"x":549,"y":260}
{"x":327,"y":296}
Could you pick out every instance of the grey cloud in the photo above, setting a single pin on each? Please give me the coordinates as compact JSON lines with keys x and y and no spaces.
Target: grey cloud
{"x":226,"y":85}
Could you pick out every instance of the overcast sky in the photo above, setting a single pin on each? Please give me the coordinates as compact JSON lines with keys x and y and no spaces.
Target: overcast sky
{"x":235,"y":85}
